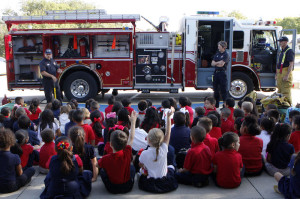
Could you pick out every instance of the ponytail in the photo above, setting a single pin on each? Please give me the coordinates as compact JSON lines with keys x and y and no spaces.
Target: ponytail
{"x":268,"y":123}
{"x":97,"y":127}
{"x":280,"y":133}
{"x":77,"y":137}
{"x":157,"y":152}
{"x":155,"y":138}
{"x":250,"y":122}
{"x":21,"y":136}
{"x":64,"y":153}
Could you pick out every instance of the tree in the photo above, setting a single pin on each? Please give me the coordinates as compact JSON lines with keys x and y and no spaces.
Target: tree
{"x":237,"y":14}
{"x":289,"y":23}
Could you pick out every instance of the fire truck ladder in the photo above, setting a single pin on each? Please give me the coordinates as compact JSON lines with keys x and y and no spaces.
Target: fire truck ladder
{"x":72,"y":16}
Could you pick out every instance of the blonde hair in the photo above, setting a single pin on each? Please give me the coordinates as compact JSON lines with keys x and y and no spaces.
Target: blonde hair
{"x":247,"y":106}
{"x":86,"y":113}
{"x":155,"y":138}
{"x":65,"y":109}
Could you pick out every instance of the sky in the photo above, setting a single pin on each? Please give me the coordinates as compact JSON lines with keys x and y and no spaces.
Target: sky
{"x":175,"y":10}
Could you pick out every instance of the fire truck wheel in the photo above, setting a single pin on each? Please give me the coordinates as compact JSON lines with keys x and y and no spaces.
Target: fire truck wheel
{"x":80,"y":86}
{"x":241,"y":85}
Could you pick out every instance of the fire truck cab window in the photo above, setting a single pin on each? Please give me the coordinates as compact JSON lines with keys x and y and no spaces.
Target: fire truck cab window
{"x":238,"y":39}
{"x":264,"y":49}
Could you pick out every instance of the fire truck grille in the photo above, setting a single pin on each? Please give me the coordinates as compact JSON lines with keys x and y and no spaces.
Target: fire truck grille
{"x":146,"y":39}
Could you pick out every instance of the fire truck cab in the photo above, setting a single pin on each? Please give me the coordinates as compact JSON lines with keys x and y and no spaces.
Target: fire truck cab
{"x":95,"y":60}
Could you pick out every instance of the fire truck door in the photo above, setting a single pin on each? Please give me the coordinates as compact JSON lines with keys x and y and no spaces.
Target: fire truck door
{"x":209,"y":34}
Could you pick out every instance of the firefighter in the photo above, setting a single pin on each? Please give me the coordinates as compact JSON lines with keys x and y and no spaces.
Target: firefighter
{"x":284,"y":70}
{"x":49,"y":68}
{"x":220,"y":62}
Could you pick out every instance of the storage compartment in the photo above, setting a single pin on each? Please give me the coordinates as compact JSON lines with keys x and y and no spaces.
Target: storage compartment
{"x":70,"y":46}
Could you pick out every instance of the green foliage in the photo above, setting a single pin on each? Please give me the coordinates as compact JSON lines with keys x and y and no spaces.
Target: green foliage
{"x":289,"y":23}
{"x":237,"y":14}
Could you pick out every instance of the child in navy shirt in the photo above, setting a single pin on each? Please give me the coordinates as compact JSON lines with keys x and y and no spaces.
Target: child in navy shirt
{"x":228,"y":162}
{"x":116,"y":170}
{"x":24,"y":124}
{"x":197,"y":163}
{"x":56,"y":104}
{"x":12,"y":176}
{"x":85,"y":151}
{"x":180,"y":133}
{"x":279,"y":150}
{"x":200,"y":111}
{"x":66,"y":178}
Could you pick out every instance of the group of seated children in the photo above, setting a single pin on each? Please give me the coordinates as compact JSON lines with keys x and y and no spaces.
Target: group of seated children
{"x":165,"y":146}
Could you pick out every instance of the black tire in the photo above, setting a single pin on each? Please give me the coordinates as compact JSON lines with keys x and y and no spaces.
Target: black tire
{"x":240,"y":85}
{"x":80,"y":86}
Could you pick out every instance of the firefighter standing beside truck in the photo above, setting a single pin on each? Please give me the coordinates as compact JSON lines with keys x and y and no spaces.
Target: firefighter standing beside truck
{"x":49,"y":68}
{"x":284,"y":70}
{"x":220,"y":62}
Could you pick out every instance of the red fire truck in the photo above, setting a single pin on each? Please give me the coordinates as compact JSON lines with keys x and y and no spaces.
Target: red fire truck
{"x":94,"y":60}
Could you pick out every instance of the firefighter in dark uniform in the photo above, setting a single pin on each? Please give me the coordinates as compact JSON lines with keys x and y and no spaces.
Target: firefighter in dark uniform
{"x":49,"y":68}
{"x":220,"y":62}
{"x":284,"y":70}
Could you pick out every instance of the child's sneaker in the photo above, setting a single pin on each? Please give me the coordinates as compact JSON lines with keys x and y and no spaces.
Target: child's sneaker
{"x":276,"y":189}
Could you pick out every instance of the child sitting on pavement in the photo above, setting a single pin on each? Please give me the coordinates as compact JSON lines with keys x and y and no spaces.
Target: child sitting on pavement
{"x":209,"y":105}
{"x":47,"y":150}
{"x":226,"y":124}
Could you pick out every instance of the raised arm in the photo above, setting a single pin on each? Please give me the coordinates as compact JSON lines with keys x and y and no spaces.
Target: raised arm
{"x":168,"y":129}
{"x":132,"y":120}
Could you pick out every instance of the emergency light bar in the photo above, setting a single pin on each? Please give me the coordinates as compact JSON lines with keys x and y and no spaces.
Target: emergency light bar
{"x":208,"y":13}
{"x":270,"y":22}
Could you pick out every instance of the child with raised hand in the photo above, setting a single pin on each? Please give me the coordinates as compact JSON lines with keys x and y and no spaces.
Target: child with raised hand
{"x":97,"y":126}
{"x":267,"y":125}
{"x":47,"y":150}
{"x":66,"y":178}
{"x":159,"y":178}
{"x":209,"y":141}
{"x":116,"y":170}
{"x":84,"y":151}
{"x":12,"y":176}
{"x":47,"y":121}
{"x":295,"y":137}
{"x":228,"y":162}
{"x":279,"y":150}
{"x":197,"y":164}
{"x":289,"y":186}
{"x":251,"y":146}
{"x":215,"y":132}
{"x":64,"y":117}
{"x":34,"y":109}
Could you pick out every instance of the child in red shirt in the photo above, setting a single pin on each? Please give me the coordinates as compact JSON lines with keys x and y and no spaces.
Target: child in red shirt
{"x":197,"y":164}
{"x":34,"y":111}
{"x":110,"y":101}
{"x":97,"y":126}
{"x":211,"y":142}
{"x":127,"y":103}
{"x":229,"y":103}
{"x":226,"y":124}
{"x":78,"y":117}
{"x":228,"y":162}
{"x":209,"y":105}
{"x":295,"y":137}
{"x":116,"y":170}
{"x":251,"y":146}
{"x":107,"y":148}
{"x":47,"y":150}
{"x":215,"y":132}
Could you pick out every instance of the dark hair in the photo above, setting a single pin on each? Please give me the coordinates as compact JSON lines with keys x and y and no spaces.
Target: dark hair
{"x":78,"y":116}
{"x":211,"y":100}
{"x":293,"y":113}
{"x":7,"y":138}
{"x":173,"y":102}
{"x":214,"y":120}
{"x":166,"y":104}
{"x":126,"y":102}
{"x":189,"y":102}
{"x":226,"y":112}
{"x":20,"y":111}
{"x":13,"y":113}
{"x":272,"y":106}
{"x":72,"y":105}
{"x":97,"y":127}
{"x":74,"y":101}
{"x":5,"y":111}
{"x":149,"y":102}
{"x":280,"y":133}
{"x":137,"y":123}
{"x":250,"y":122}
{"x":125,"y":129}
{"x":198,"y":133}
{"x":123,"y":117}
{"x":111,"y":100}
{"x":238,"y":113}
{"x":47,"y":118}
{"x":56,"y":104}
{"x":18,"y":100}
{"x":71,"y":114}
{"x":206,"y":123}
{"x":179,"y":118}
{"x":76,"y":134}
{"x":110,"y":122}
{"x":24,"y":122}
{"x":88,"y":103}
{"x":296,"y":120}
{"x":268,"y":123}
{"x":65,"y":155}
{"x":183,"y":101}
{"x":273,"y":113}
{"x":118,"y":140}
{"x":151,"y":119}
{"x":200,"y":111}
{"x":142,"y":105}
{"x":21,"y":136}
{"x":35,"y":102}
{"x":47,"y":135}
{"x":117,"y":106}
{"x":48,"y":106}
{"x":238,"y":122}
{"x":227,"y":139}
{"x":217,"y":115}
{"x":94,"y":106}
{"x":230,"y":102}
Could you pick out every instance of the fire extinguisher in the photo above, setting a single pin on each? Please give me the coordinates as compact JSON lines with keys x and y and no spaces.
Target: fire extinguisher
{"x":83,"y":44}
